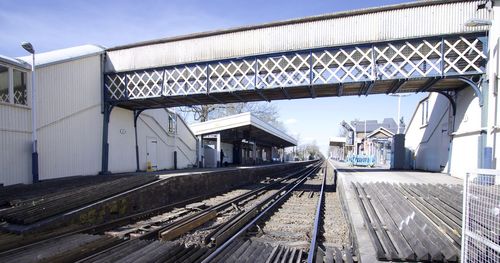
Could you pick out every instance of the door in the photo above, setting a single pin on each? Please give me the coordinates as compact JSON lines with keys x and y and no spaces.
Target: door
{"x":445,"y":146}
{"x":151,"y":146}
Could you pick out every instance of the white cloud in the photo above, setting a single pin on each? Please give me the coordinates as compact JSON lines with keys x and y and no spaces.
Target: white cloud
{"x":290,"y":121}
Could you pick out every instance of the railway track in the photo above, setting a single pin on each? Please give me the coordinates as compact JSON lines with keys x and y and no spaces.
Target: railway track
{"x":242,"y":225}
{"x":292,"y":229}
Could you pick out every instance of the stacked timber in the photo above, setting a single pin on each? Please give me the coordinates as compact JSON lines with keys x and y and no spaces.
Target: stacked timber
{"x":64,"y":249}
{"x":35,"y":209}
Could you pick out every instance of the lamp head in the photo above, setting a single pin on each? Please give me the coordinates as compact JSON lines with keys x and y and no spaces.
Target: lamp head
{"x":477,"y":22}
{"x":28,"y":47}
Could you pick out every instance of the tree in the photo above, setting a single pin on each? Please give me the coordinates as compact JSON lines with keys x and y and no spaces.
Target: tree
{"x":309,"y":150}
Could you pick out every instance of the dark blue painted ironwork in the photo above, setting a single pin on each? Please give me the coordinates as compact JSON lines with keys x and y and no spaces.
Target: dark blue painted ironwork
{"x":476,"y":89}
{"x":452,"y":101}
{"x":363,"y":63}
{"x":136,"y":116}
{"x":105,"y":134}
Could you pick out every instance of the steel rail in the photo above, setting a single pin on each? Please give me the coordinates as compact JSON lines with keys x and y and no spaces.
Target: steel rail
{"x":120,"y":221}
{"x":225,"y":231}
{"x":311,"y":257}
{"x":271,"y":206}
{"x":218,"y":207}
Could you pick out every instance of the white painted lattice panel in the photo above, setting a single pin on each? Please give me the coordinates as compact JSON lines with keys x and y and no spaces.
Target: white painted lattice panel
{"x":408,"y":59}
{"x":464,"y":55}
{"x":4,"y":95}
{"x":283,"y":71}
{"x":342,"y":65}
{"x":145,"y":84}
{"x":232,"y":75}
{"x":481,"y":224}
{"x":184,"y":80}
{"x":21,"y":96}
{"x":115,"y":86}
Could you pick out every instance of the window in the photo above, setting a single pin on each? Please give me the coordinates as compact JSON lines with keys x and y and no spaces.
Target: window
{"x":13,"y":86}
{"x":20,"y":95}
{"x":4,"y":84}
{"x":171,"y":123}
{"x":425,"y":112}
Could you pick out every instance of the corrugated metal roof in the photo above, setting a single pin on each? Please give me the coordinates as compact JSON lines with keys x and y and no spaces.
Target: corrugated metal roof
{"x":372,"y":125}
{"x":287,"y":22}
{"x":14,"y":62}
{"x":404,"y":21}
{"x":238,"y":120}
{"x":64,"y":55}
{"x":338,"y":139}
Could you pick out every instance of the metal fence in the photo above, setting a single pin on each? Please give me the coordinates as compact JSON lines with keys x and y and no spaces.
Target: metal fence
{"x":481,"y":217}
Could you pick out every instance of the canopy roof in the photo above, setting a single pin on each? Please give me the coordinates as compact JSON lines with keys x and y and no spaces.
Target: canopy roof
{"x":244,"y":126}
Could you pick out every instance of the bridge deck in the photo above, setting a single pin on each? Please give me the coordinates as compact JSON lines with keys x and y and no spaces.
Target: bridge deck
{"x":415,"y":65}
{"x":331,"y":90}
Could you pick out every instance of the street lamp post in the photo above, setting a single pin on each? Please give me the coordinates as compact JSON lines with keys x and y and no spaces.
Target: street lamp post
{"x":34,"y":155}
{"x":398,"y":121}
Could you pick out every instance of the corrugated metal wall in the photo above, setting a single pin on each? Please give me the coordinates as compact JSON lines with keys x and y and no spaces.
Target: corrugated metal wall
{"x":15,"y":144}
{"x":70,"y":129}
{"x":412,"y":22}
{"x":154,"y":124}
{"x":69,"y":118}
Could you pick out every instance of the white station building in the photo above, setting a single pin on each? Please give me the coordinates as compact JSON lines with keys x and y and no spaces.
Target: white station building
{"x":69,"y":122}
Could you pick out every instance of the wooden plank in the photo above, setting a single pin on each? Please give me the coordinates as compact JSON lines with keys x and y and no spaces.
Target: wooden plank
{"x":179,"y":230}
{"x":454,"y":216}
{"x":410,"y":233}
{"x":381,"y":255}
{"x":422,"y":206}
{"x":386,"y":241}
{"x":338,"y":255}
{"x":434,"y":240}
{"x":405,"y":250}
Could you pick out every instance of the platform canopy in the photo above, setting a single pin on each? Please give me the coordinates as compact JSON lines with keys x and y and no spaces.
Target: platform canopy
{"x":338,"y":141}
{"x":244,"y":126}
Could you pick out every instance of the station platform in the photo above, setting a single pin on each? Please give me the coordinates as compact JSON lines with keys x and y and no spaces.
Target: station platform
{"x":20,"y":192}
{"x":371,"y":189}
{"x":84,"y":201}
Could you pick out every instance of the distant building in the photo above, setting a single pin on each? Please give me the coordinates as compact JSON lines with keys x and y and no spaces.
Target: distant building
{"x":371,"y":138}
{"x":337,"y":148}
{"x":363,"y":128}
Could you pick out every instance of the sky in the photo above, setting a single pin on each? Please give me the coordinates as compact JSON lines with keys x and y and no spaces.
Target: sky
{"x":54,"y":24}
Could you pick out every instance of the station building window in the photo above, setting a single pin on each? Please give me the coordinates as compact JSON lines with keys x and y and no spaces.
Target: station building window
{"x":4,"y":84}
{"x":425,"y":112}
{"x":20,"y":93}
{"x":13,"y":86}
{"x":171,"y":123}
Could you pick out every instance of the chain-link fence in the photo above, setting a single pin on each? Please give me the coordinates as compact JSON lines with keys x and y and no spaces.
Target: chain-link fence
{"x":481,"y":217}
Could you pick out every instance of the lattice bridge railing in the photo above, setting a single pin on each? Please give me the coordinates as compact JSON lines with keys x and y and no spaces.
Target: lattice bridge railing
{"x":419,"y":58}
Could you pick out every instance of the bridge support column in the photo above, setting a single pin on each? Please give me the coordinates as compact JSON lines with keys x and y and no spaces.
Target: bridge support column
{"x":136,"y":116}
{"x":254,"y":152}
{"x":105,"y":134}
{"x":494,"y":80}
{"x":486,"y":152}
{"x":200,"y":151}
{"x":219,"y":151}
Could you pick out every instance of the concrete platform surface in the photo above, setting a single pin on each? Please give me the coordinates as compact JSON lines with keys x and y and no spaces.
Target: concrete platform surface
{"x":347,"y":175}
